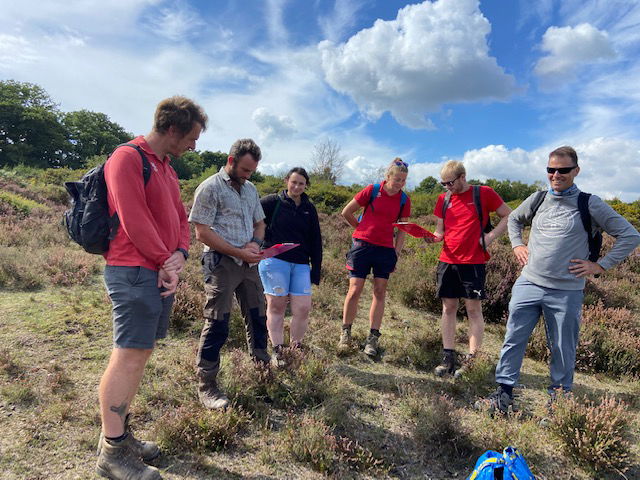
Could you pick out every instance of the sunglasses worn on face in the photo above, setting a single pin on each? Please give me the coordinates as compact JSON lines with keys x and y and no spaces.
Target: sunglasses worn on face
{"x":561,"y":170}
{"x":400,"y":163}
{"x":450,"y":183}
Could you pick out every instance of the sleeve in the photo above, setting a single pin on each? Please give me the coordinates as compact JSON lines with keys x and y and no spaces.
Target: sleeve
{"x":363,"y":196}
{"x":517,"y":220}
{"x":258,"y":213}
{"x":316,"y":247}
{"x":125,"y":184}
{"x":437,"y":210}
{"x":491,"y":199}
{"x":205,"y":204}
{"x":627,"y":237}
{"x":185,"y":231}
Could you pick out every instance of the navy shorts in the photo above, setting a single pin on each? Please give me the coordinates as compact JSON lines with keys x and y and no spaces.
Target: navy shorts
{"x":364,"y":257}
{"x":140,"y":314}
{"x":461,"y":281}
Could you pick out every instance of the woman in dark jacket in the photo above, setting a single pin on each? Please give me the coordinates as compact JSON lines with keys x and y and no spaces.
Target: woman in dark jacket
{"x":290,"y":218}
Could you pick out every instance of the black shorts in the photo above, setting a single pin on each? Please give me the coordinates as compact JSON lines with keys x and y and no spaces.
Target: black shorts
{"x":461,"y":281}
{"x":364,"y":256}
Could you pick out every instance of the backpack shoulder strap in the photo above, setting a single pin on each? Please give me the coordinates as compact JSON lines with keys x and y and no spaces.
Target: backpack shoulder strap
{"x":372,"y":197}
{"x":146,"y":166}
{"x":445,"y":203}
{"x":537,"y":201}
{"x":403,"y":201}
{"x":478,"y":204}
{"x":595,"y":241}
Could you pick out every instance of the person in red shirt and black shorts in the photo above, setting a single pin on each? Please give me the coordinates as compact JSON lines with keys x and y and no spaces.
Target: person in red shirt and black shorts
{"x":375,"y":247}
{"x":461,"y":269}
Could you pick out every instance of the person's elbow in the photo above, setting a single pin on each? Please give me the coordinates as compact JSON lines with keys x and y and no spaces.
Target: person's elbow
{"x":200,"y":230}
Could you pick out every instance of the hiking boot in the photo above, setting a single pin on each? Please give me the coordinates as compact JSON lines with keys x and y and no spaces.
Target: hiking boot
{"x":345,"y":338}
{"x":467,"y":364}
{"x":146,"y":450}
{"x":371,"y":347}
{"x":118,"y":462}
{"x":498,"y":402}
{"x":211,"y":397}
{"x":261,"y":355}
{"x":278,"y":359}
{"x":447,"y":365}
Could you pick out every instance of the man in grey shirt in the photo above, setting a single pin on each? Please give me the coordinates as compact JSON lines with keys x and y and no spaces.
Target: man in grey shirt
{"x":229,"y":221}
{"x":552,"y":281}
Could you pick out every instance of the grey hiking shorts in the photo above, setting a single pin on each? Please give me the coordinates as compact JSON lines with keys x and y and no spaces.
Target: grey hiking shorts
{"x":140,"y":314}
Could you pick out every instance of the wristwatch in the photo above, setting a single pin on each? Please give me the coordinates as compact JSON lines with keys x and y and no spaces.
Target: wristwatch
{"x":257,"y":240}
{"x":183,"y":252}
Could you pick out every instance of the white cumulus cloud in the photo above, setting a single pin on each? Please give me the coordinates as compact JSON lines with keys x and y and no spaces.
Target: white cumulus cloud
{"x":570,"y":48}
{"x":431,"y":54}
{"x":273,"y":126}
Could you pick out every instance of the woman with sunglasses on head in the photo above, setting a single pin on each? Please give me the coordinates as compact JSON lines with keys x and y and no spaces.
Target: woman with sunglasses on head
{"x":287,"y":277}
{"x":375,"y":247}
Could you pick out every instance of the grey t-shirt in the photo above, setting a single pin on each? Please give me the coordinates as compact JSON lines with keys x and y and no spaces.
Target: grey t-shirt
{"x":558,"y":236}
{"x":230,"y":214}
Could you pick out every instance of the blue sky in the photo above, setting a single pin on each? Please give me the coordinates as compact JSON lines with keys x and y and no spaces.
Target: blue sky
{"x":497,"y":83}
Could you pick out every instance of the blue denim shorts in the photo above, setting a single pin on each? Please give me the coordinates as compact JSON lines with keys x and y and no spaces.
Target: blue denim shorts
{"x":280,"y":278}
{"x":140,"y":314}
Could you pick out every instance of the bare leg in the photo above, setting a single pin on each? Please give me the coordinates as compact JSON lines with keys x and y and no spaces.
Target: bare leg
{"x":377,"y":304}
{"x":276,"y":307}
{"x":448,"y":322}
{"x":351,"y":300}
{"x":476,"y":324}
{"x":300,"y":308}
{"x":119,"y":385}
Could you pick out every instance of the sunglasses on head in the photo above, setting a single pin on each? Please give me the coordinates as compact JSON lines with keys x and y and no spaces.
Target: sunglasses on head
{"x":450,"y":183}
{"x":561,"y":170}
{"x":400,"y":163}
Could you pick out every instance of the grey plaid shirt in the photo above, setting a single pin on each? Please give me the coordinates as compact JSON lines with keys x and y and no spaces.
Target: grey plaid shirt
{"x":230,"y":214}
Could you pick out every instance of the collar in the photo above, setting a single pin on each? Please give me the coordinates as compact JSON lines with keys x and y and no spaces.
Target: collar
{"x":142,"y":143}
{"x":565,"y":193}
{"x":223,"y":173}
{"x":283,"y":195}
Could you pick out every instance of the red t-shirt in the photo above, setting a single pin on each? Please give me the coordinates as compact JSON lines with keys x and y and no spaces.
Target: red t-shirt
{"x":153,"y":221}
{"x":462,"y":227}
{"x":376,"y":224}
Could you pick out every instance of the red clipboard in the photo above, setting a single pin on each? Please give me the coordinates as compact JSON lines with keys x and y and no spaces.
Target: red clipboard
{"x":277,"y":249}
{"x":414,"y":229}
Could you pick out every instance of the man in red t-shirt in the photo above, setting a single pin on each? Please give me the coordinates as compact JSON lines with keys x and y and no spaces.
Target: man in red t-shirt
{"x":461,"y":269}
{"x":145,"y":256}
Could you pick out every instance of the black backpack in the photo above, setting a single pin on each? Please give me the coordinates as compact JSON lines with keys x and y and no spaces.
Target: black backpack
{"x":476,"y":201}
{"x":87,"y":221}
{"x":595,"y":241}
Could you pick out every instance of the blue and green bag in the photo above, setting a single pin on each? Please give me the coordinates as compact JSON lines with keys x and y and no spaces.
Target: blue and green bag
{"x":509,"y":465}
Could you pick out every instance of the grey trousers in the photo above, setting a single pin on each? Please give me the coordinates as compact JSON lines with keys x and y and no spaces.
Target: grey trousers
{"x":223,"y":278}
{"x":562,"y":313}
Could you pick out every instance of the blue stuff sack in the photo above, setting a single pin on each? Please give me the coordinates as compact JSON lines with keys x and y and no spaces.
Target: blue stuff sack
{"x":509,"y":465}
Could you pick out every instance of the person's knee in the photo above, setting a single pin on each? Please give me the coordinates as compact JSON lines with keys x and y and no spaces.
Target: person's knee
{"x":379,"y":292}
{"x":131,"y":359}
{"x":449,"y":306}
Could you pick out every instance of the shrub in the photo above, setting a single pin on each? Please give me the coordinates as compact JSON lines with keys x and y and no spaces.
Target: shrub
{"x":419,"y":348}
{"x":435,"y":424}
{"x":609,"y":341}
{"x":192,"y":428}
{"x":595,"y":435}
{"x":21,"y":204}
{"x":189,"y":300}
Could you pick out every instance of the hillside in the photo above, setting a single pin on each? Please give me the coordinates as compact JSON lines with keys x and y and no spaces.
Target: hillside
{"x":327,"y":415}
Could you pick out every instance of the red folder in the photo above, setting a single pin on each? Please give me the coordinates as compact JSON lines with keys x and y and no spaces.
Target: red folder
{"x":413,"y":229}
{"x":277,"y":249}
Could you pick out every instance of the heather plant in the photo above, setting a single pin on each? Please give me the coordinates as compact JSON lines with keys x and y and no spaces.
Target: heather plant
{"x":187,"y":313}
{"x":22,"y":205}
{"x":594,"y":434}
{"x":9,"y":366}
{"x":190,"y":428}
{"x":418,"y":348}
{"x":609,"y":341}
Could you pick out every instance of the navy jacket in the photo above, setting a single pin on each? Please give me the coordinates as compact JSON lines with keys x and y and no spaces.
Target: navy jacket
{"x":294,"y":224}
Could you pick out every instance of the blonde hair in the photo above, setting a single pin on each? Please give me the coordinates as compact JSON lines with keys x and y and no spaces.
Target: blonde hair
{"x":453,"y":167}
{"x":397,"y":165}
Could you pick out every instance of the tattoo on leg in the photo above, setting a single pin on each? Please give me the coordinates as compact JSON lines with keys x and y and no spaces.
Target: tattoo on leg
{"x":120,"y":410}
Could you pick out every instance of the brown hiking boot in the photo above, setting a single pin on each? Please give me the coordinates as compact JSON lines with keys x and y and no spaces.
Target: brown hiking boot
{"x":278,"y":359}
{"x":467,"y":364}
{"x":371,"y":347}
{"x":118,"y":462}
{"x":211,"y":397}
{"x":345,"y":338}
{"x":146,"y":450}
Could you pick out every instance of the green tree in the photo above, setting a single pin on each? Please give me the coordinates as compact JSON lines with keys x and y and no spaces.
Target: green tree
{"x":91,"y":133}
{"x":188,"y":165}
{"x":429,"y":185}
{"x":31,"y":131}
{"x":210,"y":159}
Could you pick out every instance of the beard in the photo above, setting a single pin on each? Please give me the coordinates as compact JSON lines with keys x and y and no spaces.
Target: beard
{"x":233,"y":175}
